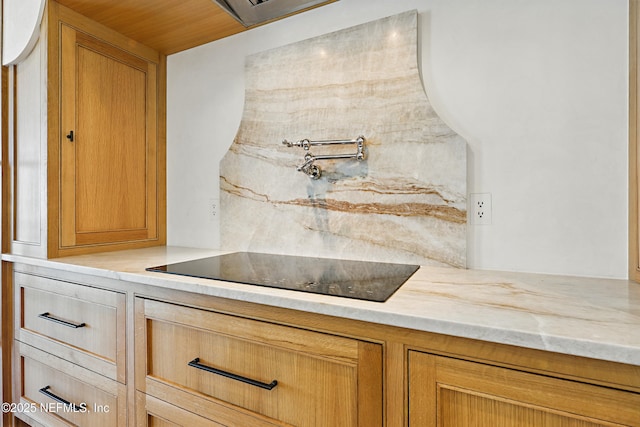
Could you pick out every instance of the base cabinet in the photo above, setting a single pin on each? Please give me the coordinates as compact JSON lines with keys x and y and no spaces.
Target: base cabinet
{"x":237,"y":371}
{"x":447,"y":392}
{"x":95,"y":351}
{"x":153,"y":412}
{"x":69,"y":353}
{"x":55,"y":392}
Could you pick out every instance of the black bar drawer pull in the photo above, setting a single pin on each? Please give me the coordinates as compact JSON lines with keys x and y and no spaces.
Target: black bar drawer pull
{"x":48,"y":316}
{"x":46,"y":392}
{"x":195,"y":363}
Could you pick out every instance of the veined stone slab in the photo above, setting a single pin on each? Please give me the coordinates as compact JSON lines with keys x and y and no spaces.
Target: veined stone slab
{"x":405,"y":202}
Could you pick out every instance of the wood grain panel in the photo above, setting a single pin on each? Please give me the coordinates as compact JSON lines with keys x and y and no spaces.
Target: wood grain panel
{"x":449,"y":392}
{"x":370,"y":368}
{"x":308,"y":388}
{"x":110,"y":144}
{"x":152,"y":412}
{"x":99,"y":345}
{"x":168,"y":26}
{"x":462,"y":408}
{"x":335,"y":348}
{"x":98,"y":336}
{"x":109,"y":102}
{"x":322,"y":379}
{"x":110,"y":202}
{"x":38,"y":375}
{"x":217,"y":411}
{"x":104,"y":398}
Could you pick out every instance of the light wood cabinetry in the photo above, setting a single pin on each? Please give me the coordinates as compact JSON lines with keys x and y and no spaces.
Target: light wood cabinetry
{"x":69,"y":353}
{"x":153,"y":412}
{"x":108,"y":142}
{"x":444,"y":391}
{"x":157,"y":356}
{"x":80,"y":323}
{"x":55,"y":392}
{"x":168,"y":26}
{"x":87,"y":119}
{"x":238,"y":371}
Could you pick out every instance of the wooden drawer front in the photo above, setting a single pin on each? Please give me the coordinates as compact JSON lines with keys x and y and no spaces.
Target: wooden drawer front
{"x":320,"y":378}
{"x":450,"y":392}
{"x":61,"y":392}
{"x":87,"y":319}
{"x":153,"y":412}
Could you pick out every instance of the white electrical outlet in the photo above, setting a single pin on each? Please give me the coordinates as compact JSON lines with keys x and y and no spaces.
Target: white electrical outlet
{"x":480,"y":212}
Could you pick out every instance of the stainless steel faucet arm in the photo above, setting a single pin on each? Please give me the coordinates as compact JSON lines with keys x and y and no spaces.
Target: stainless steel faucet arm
{"x":314,"y":171}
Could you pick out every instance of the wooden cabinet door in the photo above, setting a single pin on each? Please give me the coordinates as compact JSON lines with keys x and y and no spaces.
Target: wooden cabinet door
{"x":447,"y":392}
{"x":108,"y":143}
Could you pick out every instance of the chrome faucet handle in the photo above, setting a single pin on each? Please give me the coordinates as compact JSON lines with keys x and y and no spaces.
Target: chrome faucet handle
{"x":308,"y":161}
{"x":314,"y":172}
{"x":304,"y":143}
{"x":309,"y":168}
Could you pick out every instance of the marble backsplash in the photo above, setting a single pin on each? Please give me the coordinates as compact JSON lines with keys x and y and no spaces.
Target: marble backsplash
{"x":405,"y":202}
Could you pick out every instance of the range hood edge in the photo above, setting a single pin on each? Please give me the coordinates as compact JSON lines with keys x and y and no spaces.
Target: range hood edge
{"x":253,"y":12}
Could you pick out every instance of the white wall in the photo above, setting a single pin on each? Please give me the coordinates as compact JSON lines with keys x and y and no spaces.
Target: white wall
{"x":538,"y":89}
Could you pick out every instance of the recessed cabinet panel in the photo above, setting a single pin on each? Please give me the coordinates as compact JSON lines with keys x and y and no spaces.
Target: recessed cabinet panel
{"x":55,"y":392}
{"x":110,"y":143}
{"x":238,"y":369}
{"x":107,"y":144}
{"x":72,"y":321}
{"x":297,"y":375}
{"x":447,"y":392}
{"x":465,"y":408}
{"x":153,"y":412}
{"x":87,"y":326}
{"x":40,"y":379}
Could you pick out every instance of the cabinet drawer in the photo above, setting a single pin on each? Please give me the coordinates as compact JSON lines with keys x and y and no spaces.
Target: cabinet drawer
{"x":153,"y":412}
{"x":56,"y":392}
{"x":461,"y":393}
{"x":296,"y":376}
{"x":76,"y":322}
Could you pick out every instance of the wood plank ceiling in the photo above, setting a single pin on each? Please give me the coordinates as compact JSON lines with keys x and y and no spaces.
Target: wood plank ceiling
{"x":168,"y":26}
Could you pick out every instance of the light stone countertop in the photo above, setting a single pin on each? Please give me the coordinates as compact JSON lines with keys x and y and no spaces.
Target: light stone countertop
{"x":591,"y":317}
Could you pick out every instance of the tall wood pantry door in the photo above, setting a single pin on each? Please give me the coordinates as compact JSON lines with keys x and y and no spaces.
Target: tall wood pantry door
{"x":108,"y":144}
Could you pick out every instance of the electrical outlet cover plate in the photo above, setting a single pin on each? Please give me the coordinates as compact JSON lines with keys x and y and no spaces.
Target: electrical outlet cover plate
{"x":480,"y":210}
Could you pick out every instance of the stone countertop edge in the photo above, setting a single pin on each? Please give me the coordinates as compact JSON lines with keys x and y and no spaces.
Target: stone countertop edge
{"x":581,"y":316}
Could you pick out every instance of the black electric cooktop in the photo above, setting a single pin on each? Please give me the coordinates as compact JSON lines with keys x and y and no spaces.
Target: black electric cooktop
{"x":365,"y":280}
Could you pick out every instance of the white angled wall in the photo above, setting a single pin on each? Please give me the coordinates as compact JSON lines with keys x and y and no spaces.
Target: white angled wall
{"x":538,"y":89}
